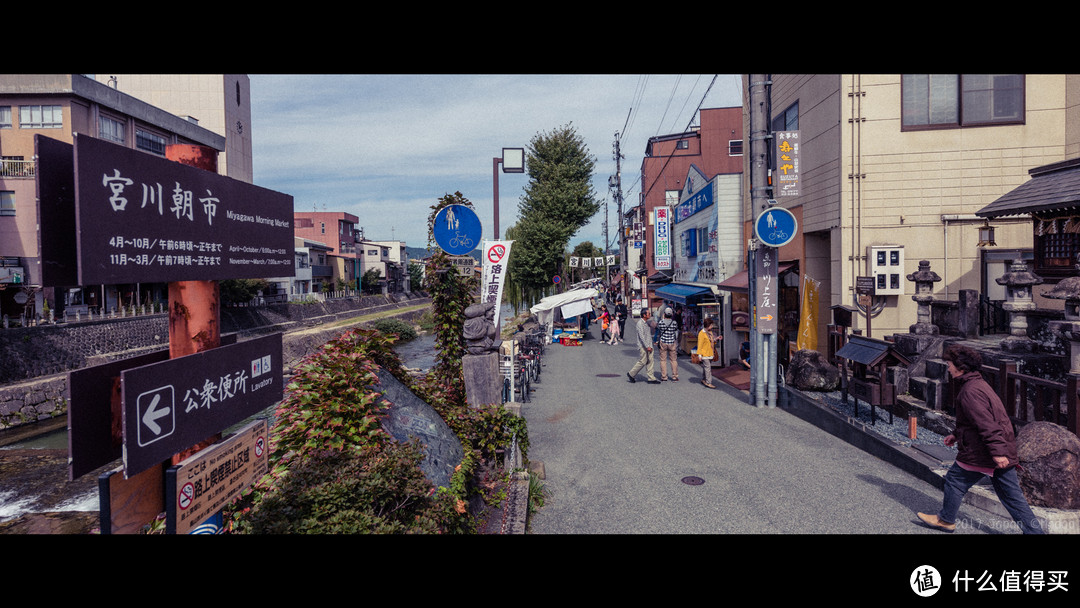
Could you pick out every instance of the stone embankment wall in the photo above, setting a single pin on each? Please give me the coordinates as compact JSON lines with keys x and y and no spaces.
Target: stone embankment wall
{"x":34,"y":361}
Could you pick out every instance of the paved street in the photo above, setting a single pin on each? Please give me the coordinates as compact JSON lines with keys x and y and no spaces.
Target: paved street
{"x":615,"y":456}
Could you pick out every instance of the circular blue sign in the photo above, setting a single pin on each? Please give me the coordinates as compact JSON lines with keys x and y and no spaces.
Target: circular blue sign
{"x":776,"y":227}
{"x":457,"y":229}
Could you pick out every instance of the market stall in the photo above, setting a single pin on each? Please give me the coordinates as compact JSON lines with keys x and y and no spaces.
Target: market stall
{"x":554,"y":312}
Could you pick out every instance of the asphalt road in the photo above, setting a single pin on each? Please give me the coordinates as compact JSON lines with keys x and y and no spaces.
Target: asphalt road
{"x":616,"y":457}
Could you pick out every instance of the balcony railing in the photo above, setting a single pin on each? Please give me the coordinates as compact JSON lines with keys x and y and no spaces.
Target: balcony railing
{"x":17,"y":168}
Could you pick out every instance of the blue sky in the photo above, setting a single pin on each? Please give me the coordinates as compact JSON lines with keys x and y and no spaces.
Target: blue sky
{"x":386,"y":147}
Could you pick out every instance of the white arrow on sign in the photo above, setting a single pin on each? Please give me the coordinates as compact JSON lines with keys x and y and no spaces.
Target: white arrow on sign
{"x":152,"y":414}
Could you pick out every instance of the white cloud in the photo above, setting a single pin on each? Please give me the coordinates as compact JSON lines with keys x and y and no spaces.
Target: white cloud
{"x":386,"y":147}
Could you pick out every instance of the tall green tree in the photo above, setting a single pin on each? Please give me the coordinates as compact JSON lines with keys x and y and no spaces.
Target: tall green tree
{"x":558,"y":201}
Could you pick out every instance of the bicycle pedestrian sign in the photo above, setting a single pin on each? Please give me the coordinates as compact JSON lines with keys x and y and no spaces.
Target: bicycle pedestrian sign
{"x":457,"y":229}
{"x":776,"y":227}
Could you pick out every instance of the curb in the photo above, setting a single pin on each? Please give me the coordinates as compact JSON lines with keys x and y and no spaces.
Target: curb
{"x":925,"y":467}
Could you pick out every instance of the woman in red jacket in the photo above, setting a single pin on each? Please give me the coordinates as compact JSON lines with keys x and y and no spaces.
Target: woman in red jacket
{"x":986,"y":446}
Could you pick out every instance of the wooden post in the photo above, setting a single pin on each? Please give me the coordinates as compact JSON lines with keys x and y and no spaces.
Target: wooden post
{"x":194,"y":306}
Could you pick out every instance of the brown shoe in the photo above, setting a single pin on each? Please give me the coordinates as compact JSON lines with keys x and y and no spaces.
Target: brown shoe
{"x":707,"y":385}
{"x":936,"y":522}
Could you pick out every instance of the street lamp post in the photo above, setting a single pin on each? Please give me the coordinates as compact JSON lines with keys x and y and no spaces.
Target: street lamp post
{"x":513,"y":161}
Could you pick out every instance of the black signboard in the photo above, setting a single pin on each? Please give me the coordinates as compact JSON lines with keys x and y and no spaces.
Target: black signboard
{"x":143,"y":218}
{"x":91,"y":442}
{"x":90,"y":433}
{"x":864,"y":285}
{"x":56,"y":212}
{"x":173,"y":405}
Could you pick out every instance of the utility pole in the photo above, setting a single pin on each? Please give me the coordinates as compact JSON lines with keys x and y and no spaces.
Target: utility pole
{"x":763,"y":356}
{"x":616,"y":183}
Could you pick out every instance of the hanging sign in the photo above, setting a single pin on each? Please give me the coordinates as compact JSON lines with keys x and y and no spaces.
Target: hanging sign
{"x":662,"y":248}
{"x":766,"y":311}
{"x":786,"y":178}
{"x":496,"y":257}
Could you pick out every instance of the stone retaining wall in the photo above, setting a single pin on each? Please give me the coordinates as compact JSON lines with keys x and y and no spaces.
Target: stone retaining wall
{"x":34,"y":361}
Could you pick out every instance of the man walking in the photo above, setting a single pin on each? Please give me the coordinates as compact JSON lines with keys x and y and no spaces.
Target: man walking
{"x":645,"y":347}
{"x":669,"y":335}
{"x":986,"y":446}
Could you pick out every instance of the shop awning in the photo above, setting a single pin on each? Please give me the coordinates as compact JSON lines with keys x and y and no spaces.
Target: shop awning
{"x":739,"y":281}
{"x":683,"y":294}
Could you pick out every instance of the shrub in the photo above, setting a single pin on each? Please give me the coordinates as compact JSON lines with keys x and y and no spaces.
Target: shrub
{"x":401,"y":329}
{"x":376,"y":489}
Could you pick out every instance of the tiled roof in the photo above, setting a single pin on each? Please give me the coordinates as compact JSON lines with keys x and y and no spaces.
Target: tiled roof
{"x":1053,"y":188}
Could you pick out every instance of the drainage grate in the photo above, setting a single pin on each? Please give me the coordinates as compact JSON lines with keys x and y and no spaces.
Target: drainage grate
{"x":693,"y":481}
{"x":607,"y":375}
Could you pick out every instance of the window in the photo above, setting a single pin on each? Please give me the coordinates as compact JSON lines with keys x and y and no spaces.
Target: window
{"x":40,"y":117}
{"x":150,"y":142}
{"x":734,"y":147}
{"x":703,"y":239}
{"x":683,"y":145}
{"x":1056,"y":254}
{"x":5,"y":117}
{"x":961,"y":100}
{"x":788,"y":120}
{"x":110,"y":129}
{"x":7,"y":202}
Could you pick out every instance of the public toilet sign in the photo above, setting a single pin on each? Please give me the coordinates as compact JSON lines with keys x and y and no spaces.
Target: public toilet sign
{"x":175,"y":404}
{"x":202,"y":484}
{"x":143,"y":218}
{"x":457,"y":229}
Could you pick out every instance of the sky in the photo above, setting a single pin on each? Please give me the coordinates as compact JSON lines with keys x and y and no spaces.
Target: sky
{"x":386,"y":147}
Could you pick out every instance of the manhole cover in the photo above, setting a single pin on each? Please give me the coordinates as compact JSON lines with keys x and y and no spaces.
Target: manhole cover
{"x":693,"y":481}
{"x":607,"y":375}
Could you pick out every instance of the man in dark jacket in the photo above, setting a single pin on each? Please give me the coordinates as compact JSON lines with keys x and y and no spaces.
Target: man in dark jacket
{"x":986,"y":446}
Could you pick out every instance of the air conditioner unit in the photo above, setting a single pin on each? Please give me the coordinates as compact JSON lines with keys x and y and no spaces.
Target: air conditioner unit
{"x":887,"y":268}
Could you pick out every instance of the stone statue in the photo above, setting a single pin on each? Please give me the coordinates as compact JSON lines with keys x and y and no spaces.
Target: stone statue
{"x":481,"y":335}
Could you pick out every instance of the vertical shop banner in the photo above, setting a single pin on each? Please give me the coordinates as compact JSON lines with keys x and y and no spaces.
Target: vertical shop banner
{"x":786,"y":178}
{"x":662,"y":248}
{"x":808,"y":325}
{"x":765,"y":302}
{"x":496,"y":256}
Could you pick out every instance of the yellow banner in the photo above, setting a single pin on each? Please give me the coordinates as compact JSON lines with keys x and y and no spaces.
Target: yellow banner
{"x":808,"y":323}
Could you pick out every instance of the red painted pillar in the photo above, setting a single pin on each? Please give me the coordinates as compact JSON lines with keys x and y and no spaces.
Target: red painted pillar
{"x":194,"y":306}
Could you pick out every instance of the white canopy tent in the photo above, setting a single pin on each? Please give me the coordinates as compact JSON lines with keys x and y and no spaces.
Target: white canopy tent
{"x":553,"y":309}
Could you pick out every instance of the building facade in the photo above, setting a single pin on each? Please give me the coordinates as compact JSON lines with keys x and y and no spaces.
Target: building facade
{"x":339,"y":231}
{"x":893,"y":169}
{"x":715,"y":147}
{"x":220,"y":103}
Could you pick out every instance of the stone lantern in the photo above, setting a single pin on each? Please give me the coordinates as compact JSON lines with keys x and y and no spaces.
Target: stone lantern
{"x":1018,"y":301}
{"x":924,"y":280}
{"x":1069,"y":290}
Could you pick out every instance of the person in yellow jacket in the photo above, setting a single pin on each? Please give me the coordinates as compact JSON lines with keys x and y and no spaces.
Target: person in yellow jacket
{"x":706,"y":340}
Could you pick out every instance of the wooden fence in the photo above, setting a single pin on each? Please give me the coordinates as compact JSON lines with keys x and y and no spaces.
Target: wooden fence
{"x":1031,"y":399}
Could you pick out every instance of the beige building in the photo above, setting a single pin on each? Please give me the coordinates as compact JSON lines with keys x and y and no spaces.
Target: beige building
{"x":220,"y":103}
{"x":892,"y":169}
